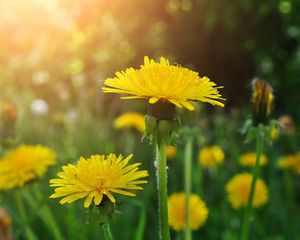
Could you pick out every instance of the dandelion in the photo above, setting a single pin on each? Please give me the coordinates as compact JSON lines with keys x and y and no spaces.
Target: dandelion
{"x":248,"y":159}
{"x":262,"y":99}
{"x":24,"y":164}
{"x":170,"y":152}
{"x":96,"y":177}
{"x":8,"y":111}
{"x":291,"y":162}
{"x":259,"y":127}
{"x":197,"y":207}
{"x":39,"y":107}
{"x":157,"y":81}
{"x":275,"y":133}
{"x":210,"y":156}
{"x":165,"y":87}
{"x":130,"y":120}
{"x":238,"y":190}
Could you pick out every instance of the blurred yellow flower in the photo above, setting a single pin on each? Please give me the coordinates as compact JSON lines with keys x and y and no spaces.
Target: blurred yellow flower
{"x":248,"y":159}
{"x":96,"y":177}
{"x":161,"y":81}
{"x":238,"y":190}
{"x":198,"y":211}
{"x":130,"y":120}
{"x":210,"y":156}
{"x":275,"y":133}
{"x":291,"y":162}
{"x":171,"y":152}
{"x":24,"y":164}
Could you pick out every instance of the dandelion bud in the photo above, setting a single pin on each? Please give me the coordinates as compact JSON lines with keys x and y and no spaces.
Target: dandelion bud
{"x":262,"y":99}
{"x":5,"y":224}
{"x":8,"y":120}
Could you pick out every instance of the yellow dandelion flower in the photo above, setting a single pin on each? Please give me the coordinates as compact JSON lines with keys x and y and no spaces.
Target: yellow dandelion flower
{"x":161,"y":81}
{"x":130,"y":120}
{"x":24,"y":164}
{"x":210,"y":156}
{"x":170,"y":152}
{"x":275,"y":133}
{"x":96,"y":177}
{"x":291,"y":162}
{"x":248,"y":159}
{"x":238,"y":189}
{"x":176,"y":206}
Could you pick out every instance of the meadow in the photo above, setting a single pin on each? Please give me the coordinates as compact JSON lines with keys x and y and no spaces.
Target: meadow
{"x":214,"y":157}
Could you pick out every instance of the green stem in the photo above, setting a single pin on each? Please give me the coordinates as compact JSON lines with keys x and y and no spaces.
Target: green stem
{"x":28,"y":231}
{"x":107,"y":232}
{"x":188,"y":182}
{"x":255,"y":173}
{"x":161,"y":173}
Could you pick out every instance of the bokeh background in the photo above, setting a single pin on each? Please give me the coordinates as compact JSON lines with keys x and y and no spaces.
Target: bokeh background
{"x":54,"y":56}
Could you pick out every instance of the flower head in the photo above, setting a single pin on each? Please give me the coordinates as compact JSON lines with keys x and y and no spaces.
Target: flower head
{"x":96,"y":177}
{"x":291,"y":162}
{"x":160,"y":81}
{"x":24,"y":164}
{"x":238,"y":189}
{"x":131,"y":120}
{"x":248,"y":159}
{"x":262,"y":99}
{"x":210,"y":156}
{"x":170,"y":152}
{"x":198,"y":211}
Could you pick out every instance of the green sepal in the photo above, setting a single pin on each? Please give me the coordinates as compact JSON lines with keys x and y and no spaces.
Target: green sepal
{"x":161,"y":131}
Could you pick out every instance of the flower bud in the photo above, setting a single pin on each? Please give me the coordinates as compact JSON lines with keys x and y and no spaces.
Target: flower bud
{"x":262,"y":99}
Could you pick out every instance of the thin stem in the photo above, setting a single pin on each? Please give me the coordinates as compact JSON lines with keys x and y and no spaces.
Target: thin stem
{"x":161,"y":174}
{"x":255,"y":173}
{"x":107,"y":232}
{"x":188,"y":182}
{"x":28,"y":231}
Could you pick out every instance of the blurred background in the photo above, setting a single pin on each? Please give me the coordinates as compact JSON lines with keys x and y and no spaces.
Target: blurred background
{"x":55,"y":55}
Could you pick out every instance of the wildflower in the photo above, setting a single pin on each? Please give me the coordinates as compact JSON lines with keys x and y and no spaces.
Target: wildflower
{"x":131,"y":120}
{"x":171,"y":152}
{"x":24,"y":164}
{"x":8,"y":119}
{"x":198,"y":211}
{"x":291,"y":162}
{"x":96,"y":177}
{"x":5,"y":225}
{"x":262,"y":98}
{"x":160,"y":81}
{"x":248,"y":159}
{"x":238,"y":189}
{"x":210,"y":156}
{"x":275,"y":133}
{"x":287,"y":124}
{"x":8,"y":111}
{"x":39,"y":107}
